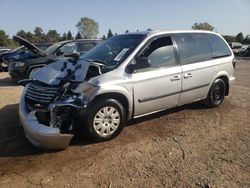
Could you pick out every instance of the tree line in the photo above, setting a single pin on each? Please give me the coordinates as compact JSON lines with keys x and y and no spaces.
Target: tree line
{"x":229,"y":38}
{"x":37,"y":36}
{"x":89,"y":29}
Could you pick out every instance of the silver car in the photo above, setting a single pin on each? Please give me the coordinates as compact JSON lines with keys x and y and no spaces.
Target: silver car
{"x":125,"y":77}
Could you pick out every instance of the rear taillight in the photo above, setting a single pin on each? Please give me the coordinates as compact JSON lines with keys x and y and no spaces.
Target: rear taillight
{"x":234,"y":62}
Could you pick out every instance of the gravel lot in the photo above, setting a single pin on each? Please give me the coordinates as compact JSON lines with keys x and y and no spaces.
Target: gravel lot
{"x":190,"y":146}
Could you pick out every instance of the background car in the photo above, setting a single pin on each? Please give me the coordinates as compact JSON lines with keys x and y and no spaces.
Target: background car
{"x":21,"y":68}
{"x":235,"y":46}
{"x":20,"y":52}
{"x":12,"y":54}
{"x":245,"y":52}
{"x":240,"y":51}
{"x":3,"y":50}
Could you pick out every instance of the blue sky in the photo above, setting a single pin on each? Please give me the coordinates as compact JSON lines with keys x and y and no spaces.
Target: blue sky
{"x":227,"y":16}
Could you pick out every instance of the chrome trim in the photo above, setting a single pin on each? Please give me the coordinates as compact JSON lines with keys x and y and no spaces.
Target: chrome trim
{"x":157,"y":97}
{"x":42,"y":94}
{"x":198,"y":87}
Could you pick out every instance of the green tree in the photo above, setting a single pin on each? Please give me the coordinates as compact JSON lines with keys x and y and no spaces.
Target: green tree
{"x":30,"y":37}
{"x":88,"y":28}
{"x":104,"y":37}
{"x":203,"y":26}
{"x":52,"y":36}
{"x":21,"y":33}
{"x":3,"y":38}
{"x":64,"y":37}
{"x":110,"y":34}
{"x":39,"y":35}
{"x":247,"y":39}
{"x":38,"y":31}
{"x":78,"y":36}
{"x":239,"y":37}
{"x":69,"y":36}
{"x":229,"y":38}
{"x":26,"y":35}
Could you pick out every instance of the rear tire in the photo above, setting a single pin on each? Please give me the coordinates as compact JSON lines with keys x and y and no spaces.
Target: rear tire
{"x":216,"y":93}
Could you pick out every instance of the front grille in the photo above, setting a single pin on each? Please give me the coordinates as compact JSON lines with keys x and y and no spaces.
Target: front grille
{"x":40,"y":94}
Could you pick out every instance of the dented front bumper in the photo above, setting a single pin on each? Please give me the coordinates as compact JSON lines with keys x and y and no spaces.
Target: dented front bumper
{"x":38,"y":134}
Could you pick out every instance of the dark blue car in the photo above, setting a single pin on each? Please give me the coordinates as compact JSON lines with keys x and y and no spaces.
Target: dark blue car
{"x":21,"y":52}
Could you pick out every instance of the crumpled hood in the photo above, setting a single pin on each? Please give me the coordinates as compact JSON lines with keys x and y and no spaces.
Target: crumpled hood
{"x":62,"y":71}
{"x":29,"y":45}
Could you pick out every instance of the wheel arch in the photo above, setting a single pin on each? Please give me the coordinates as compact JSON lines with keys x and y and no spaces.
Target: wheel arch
{"x":117,"y":96}
{"x":226,"y":80}
{"x":225,"y":77}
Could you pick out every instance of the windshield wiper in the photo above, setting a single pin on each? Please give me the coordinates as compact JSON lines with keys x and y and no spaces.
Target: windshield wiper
{"x":97,"y":62}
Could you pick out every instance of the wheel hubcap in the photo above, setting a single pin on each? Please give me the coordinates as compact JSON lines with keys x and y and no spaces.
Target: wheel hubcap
{"x":106,"y":121}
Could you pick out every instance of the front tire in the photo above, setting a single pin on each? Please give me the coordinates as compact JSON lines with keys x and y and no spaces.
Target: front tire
{"x":216,"y":93}
{"x":105,"y":119}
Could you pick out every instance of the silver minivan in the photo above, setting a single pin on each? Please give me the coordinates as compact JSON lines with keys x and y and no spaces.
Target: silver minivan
{"x":125,"y":77}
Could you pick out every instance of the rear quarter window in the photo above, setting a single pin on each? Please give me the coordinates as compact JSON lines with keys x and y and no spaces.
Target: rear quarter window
{"x":193,"y":48}
{"x":219,"y":47}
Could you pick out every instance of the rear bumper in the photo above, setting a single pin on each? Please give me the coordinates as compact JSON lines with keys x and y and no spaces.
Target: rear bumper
{"x":38,"y":134}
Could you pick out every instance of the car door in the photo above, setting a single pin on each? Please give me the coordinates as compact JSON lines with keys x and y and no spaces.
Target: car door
{"x":197,"y":66}
{"x":157,"y":87}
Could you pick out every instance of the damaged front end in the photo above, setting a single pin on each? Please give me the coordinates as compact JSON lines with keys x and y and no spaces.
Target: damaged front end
{"x":51,"y":101}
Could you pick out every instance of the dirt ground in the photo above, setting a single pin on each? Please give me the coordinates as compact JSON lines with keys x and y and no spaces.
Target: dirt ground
{"x":190,"y":146}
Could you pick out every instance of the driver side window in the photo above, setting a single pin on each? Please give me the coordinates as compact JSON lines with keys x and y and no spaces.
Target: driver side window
{"x":69,"y":48}
{"x":160,"y":53}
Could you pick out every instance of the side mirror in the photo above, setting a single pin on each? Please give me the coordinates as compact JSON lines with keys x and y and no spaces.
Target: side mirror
{"x":141,"y":63}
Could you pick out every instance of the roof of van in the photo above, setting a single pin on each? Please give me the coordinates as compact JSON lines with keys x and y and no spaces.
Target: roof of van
{"x":159,"y":32}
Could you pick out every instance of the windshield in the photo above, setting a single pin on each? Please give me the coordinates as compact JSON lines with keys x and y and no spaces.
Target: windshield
{"x":52,"y":48}
{"x":114,"y":50}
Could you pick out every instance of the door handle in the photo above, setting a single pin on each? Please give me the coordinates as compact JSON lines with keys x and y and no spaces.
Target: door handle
{"x":188,"y":75}
{"x":174,"y":78}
